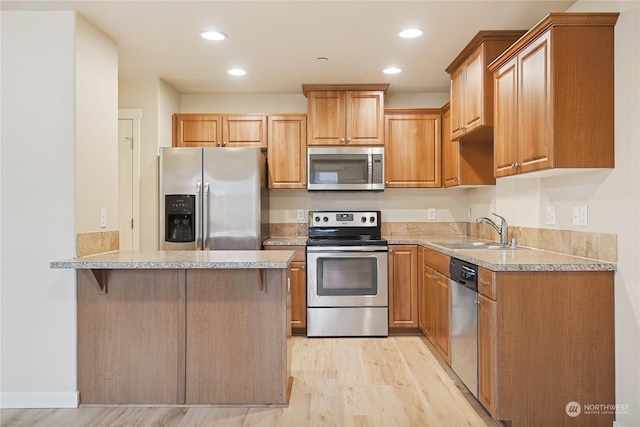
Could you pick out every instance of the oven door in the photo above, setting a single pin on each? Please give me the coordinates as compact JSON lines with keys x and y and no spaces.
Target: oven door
{"x":347,"y":276}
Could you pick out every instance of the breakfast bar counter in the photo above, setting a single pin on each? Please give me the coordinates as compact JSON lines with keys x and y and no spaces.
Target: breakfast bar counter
{"x":184,"y":327}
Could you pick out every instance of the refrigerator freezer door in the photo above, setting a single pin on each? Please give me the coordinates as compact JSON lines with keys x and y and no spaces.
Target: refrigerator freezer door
{"x":180,"y":174}
{"x":232,"y":209}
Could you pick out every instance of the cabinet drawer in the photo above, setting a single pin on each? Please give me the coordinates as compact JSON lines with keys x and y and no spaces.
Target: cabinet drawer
{"x":300,"y":251}
{"x":487,"y":283}
{"x":437,"y":261}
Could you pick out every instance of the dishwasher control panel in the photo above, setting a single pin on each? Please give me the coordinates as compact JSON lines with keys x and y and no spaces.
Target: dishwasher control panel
{"x":464,"y":273}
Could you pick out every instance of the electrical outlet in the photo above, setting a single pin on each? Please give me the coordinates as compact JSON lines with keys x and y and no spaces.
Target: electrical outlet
{"x":551,"y":215}
{"x":103,"y":218}
{"x":576,"y":215}
{"x":584,"y":215}
{"x":431,"y":213}
{"x":300,"y":214}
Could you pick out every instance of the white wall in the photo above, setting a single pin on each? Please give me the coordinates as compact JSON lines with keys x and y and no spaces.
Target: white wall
{"x":38,"y":315}
{"x":612,"y":197}
{"x":96,"y":136}
{"x":158,"y":101}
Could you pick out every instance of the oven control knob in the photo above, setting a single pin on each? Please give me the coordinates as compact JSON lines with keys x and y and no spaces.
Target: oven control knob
{"x":363,"y":219}
{"x":325,"y":219}
{"x":372,"y":220}
{"x":317,"y":219}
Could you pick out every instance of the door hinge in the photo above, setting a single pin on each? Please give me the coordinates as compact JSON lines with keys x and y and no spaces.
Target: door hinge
{"x":132,"y":223}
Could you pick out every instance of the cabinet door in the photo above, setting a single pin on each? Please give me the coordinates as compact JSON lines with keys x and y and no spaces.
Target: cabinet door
{"x":430,"y":303}
{"x":487,"y":353}
{"x":298,"y":294}
{"x":197,"y":130}
{"x":535,"y":110}
{"x":412,"y":151}
{"x":287,"y":151}
{"x":450,"y":153}
{"x":422,"y":296}
{"x":403,"y":286}
{"x":443,"y":317}
{"x":365,"y":118}
{"x":505,"y":150}
{"x":473,"y":109}
{"x":457,"y":101}
{"x":244,"y":131}
{"x":327,"y":117}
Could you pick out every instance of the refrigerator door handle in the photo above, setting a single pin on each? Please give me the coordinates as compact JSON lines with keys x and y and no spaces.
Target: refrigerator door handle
{"x":198,"y":219}
{"x":205,"y":217}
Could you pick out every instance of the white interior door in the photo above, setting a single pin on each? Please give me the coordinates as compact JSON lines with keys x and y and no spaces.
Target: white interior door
{"x":125,"y":183}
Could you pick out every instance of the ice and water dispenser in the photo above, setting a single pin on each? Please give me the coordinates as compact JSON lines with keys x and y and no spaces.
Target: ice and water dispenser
{"x":180,"y":218}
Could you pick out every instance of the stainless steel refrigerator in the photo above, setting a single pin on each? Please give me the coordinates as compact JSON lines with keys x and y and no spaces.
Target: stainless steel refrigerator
{"x":213,"y":198}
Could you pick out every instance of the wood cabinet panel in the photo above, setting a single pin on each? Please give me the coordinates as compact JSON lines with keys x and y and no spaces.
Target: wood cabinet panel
{"x":403,"y":286}
{"x":141,"y":360}
{"x":472,"y":86}
{"x":412,"y":150}
{"x":559,"y":114}
{"x":218,"y":130}
{"x":487,"y":283}
{"x":221,"y":308}
{"x":287,"y":151}
{"x":298,"y":286}
{"x":345,"y":114}
{"x":443,"y":316}
{"x":487,"y":323}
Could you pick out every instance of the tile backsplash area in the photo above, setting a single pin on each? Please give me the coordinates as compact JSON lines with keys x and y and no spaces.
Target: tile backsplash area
{"x":97,"y":242}
{"x":600,"y":246}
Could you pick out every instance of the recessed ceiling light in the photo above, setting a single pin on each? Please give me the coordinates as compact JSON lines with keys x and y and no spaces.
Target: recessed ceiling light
{"x":392,"y":70}
{"x":410,"y":33}
{"x":213,"y":35}
{"x":237,"y":72}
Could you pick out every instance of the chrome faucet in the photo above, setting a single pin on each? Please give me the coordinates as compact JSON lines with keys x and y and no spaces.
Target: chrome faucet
{"x":502,"y":230}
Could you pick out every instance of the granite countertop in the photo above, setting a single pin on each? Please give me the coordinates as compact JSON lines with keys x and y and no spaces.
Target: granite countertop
{"x":520,"y":259}
{"x":180,"y":260}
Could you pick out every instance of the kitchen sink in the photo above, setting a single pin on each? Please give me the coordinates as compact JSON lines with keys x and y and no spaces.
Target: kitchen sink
{"x":474,"y":245}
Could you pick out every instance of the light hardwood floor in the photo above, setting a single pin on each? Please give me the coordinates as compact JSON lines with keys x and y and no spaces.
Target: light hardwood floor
{"x":396,"y":381}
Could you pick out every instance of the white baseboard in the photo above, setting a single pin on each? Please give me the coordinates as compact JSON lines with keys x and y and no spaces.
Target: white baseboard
{"x":39,"y":399}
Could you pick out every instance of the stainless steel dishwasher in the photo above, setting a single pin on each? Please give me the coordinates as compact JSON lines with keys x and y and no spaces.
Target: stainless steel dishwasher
{"x":464,"y":322}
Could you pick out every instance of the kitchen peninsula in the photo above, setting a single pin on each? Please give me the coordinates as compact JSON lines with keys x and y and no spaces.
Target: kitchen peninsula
{"x":184,"y":327}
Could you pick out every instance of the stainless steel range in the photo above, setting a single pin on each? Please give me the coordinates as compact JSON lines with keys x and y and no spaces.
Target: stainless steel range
{"x":347,"y":283}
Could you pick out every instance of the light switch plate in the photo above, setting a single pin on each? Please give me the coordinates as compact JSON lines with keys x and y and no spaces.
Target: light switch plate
{"x":431,"y":213}
{"x":551,"y":215}
{"x":576,"y":215}
{"x":103,"y":218}
{"x":300,"y":214}
{"x":584,"y":215}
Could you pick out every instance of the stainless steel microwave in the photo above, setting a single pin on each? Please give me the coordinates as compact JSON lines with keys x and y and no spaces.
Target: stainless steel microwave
{"x":345,"y":168}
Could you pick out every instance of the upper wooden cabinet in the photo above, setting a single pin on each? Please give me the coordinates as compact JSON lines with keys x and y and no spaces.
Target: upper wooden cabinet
{"x":216,"y":130}
{"x":412,"y":148}
{"x":554,"y":100}
{"x":472,"y":85}
{"x":345,"y":114}
{"x":465,"y":164}
{"x":287,"y":151}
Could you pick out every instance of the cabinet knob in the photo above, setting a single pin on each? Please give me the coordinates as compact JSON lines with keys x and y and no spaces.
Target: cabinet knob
{"x":455,"y":179}
{"x":224,"y":143}
{"x":348,"y":140}
{"x":341,"y":139}
{"x":304,"y":183}
{"x":386,"y":182}
{"x":218,"y":144}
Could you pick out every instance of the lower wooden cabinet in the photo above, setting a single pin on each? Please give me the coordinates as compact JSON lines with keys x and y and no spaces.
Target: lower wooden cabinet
{"x":486,"y":352}
{"x":435,"y":301}
{"x":403,"y":286}
{"x":298,"y":287}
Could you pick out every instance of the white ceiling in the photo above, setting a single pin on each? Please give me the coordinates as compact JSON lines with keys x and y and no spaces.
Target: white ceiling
{"x":277,"y":42}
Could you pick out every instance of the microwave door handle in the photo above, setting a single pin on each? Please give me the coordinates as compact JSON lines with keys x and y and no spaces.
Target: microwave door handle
{"x":198,"y":218}
{"x":370,"y":168}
